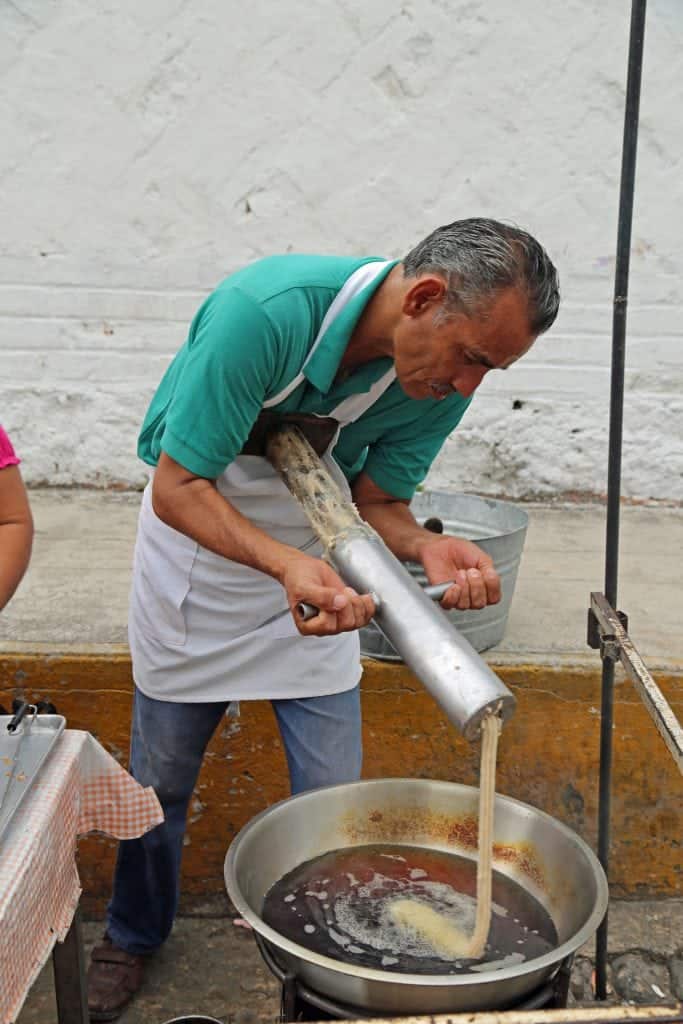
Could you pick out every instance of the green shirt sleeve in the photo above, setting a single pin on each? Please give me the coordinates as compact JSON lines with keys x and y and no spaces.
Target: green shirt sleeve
{"x":225,"y":377}
{"x":399,"y":461}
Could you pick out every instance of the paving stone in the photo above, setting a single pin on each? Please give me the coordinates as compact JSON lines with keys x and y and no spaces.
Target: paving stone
{"x":647,"y":925}
{"x":676,"y":968}
{"x":638,"y":979}
{"x":207,"y":966}
{"x":580,"y":985}
{"x":582,"y":990}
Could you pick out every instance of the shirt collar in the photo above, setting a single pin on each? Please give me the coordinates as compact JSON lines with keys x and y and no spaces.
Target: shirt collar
{"x":322,"y":367}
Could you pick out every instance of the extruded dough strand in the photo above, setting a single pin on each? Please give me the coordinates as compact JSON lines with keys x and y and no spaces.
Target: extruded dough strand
{"x":441,"y":934}
{"x":490,"y":728}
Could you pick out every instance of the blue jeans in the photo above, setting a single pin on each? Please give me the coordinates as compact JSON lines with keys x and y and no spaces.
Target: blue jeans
{"x":322,"y":741}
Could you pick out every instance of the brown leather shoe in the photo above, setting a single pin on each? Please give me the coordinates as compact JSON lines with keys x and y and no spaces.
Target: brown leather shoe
{"x":114,"y":977}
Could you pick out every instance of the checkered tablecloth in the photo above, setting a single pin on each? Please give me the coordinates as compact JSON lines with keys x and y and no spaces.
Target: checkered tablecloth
{"x":80,"y":788}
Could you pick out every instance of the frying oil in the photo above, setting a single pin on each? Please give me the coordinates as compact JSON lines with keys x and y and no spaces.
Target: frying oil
{"x":339,"y":905}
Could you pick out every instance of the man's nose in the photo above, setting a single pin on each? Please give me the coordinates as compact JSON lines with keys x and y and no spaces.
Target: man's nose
{"x":468,"y":379}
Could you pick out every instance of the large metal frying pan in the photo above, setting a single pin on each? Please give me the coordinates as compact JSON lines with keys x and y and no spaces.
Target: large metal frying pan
{"x":542,"y":855}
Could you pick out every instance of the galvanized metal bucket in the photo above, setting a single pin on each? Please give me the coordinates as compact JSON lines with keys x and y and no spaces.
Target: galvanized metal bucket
{"x":499,"y":528}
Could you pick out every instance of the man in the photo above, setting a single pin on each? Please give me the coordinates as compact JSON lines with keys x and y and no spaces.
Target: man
{"x":392,"y":351}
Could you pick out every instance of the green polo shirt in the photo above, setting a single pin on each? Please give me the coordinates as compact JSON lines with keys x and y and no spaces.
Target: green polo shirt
{"x":250,"y":339}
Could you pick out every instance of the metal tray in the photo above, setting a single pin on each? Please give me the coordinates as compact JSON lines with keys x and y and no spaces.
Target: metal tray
{"x":31,"y":744}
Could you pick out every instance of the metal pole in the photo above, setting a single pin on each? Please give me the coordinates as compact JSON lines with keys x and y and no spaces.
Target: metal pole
{"x":628,"y":173}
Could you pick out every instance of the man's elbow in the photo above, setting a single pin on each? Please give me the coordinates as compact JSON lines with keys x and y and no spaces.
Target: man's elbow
{"x":173,"y":487}
{"x":163,"y":504}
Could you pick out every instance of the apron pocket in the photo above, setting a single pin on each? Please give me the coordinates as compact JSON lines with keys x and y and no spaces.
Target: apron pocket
{"x":163,"y":566}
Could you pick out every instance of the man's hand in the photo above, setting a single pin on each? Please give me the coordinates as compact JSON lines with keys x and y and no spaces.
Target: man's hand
{"x":315,"y":582}
{"x":477,"y":584}
{"x":443,"y":557}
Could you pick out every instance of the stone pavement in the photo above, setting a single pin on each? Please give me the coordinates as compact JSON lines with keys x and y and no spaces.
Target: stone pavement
{"x":211,"y":966}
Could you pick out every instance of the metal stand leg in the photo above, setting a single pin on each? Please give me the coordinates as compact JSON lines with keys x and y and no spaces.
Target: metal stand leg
{"x":561,"y":984}
{"x":288,"y":999}
{"x":68,"y":963}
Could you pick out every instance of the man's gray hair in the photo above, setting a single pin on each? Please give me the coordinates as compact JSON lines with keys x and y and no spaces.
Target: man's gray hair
{"x":479,"y":257}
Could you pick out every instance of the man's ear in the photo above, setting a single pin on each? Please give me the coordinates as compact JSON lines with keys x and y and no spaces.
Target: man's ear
{"x":424,"y":293}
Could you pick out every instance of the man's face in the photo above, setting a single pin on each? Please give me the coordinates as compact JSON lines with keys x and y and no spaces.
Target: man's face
{"x":434,"y":359}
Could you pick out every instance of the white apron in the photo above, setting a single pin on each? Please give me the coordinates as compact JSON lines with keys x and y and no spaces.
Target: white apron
{"x":201,"y":626}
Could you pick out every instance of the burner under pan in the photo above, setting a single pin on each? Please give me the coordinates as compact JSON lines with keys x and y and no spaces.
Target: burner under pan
{"x":300,"y":1003}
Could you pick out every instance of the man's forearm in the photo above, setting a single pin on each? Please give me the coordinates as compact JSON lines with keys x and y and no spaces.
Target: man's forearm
{"x":193,"y":506}
{"x":397,"y":527}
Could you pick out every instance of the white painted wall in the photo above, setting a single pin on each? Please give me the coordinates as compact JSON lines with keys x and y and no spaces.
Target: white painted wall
{"x":148,"y":148}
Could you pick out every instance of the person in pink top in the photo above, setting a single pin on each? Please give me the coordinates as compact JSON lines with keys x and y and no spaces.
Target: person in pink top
{"x":16,"y":522}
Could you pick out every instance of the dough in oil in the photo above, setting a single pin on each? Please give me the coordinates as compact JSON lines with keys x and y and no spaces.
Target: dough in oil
{"x":442,"y":935}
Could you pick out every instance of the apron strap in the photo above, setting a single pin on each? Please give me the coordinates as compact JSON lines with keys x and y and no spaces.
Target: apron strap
{"x":359,"y":280}
{"x":353,"y":407}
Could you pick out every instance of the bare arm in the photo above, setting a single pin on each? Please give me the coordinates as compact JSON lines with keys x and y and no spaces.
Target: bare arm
{"x":16,"y":531}
{"x":443,"y":557}
{"x":193,"y":506}
{"x":392,"y":519}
